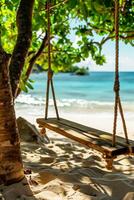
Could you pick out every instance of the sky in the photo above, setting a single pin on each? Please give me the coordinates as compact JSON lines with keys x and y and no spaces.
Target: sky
{"x":126,"y":58}
{"x":126,"y":54}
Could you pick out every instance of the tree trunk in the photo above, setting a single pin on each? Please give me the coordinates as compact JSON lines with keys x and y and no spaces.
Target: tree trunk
{"x":24,"y":25}
{"x":11,"y":168}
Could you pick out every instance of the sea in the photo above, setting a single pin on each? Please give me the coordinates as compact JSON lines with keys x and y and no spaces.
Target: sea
{"x":88,"y":99}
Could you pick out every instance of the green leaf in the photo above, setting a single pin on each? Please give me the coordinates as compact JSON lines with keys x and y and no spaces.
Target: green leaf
{"x":29,"y":85}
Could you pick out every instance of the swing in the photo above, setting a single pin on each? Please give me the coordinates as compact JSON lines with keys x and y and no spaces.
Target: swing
{"x":106,"y":143}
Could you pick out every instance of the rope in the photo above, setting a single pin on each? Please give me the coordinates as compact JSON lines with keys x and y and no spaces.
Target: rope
{"x":123,"y":121}
{"x":50,"y":72}
{"x":117,"y":83}
{"x":49,"y":60}
{"x":54,"y":99}
{"x":47,"y":99}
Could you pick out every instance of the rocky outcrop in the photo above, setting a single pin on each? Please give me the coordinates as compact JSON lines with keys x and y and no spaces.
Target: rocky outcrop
{"x":29,"y":133}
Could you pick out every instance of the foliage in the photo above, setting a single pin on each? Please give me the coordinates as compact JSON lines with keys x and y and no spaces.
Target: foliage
{"x":70,"y":69}
{"x":82,"y":71}
{"x":77,"y":19}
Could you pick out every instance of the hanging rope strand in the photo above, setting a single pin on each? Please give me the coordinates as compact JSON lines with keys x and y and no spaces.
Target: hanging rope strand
{"x":123,"y":121}
{"x":50,"y":72}
{"x":116,"y":83}
{"x":115,"y":120}
{"x":49,"y":59}
{"x":47,"y":99}
{"x":54,"y":99}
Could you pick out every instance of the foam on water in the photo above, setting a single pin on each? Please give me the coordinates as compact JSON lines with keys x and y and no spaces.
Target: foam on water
{"x":28,"y":99}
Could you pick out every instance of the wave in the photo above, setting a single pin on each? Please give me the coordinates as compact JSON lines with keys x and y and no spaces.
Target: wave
{"x":28,"y":99}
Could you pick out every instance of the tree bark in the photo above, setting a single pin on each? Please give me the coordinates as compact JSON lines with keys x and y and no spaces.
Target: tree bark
{"x":24,"y":24}
{"x":11,"y":168}
{"x":33,"y":60}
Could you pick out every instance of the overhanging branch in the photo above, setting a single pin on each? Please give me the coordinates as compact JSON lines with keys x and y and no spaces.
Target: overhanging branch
{"x":33,"y":59}
{"x":56,"y":5}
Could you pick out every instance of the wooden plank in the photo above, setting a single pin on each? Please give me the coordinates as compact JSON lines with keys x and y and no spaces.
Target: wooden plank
{"x":102,"y":134}
{"x":88,"y":130}
{"x":83,"y":133}
{"x":93,"y":141}
{"x":65,"y":131}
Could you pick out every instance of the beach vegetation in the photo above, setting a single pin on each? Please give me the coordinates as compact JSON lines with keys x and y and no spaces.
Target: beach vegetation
{"x":82,"y":71}
{"x":74,"y":27}
{"x":71,"y":69}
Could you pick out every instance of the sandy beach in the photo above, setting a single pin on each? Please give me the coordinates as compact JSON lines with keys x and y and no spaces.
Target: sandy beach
{"x":65,"y":170}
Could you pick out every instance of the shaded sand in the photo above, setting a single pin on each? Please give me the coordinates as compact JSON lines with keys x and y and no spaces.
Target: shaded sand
{"x":65,"y":170}
{"x":79,"y":173}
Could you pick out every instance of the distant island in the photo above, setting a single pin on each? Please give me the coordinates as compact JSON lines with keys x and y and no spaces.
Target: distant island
{"x":75,"y":70}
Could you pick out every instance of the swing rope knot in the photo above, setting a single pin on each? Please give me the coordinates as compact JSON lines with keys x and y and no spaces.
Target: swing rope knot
{"x":117,"y":86}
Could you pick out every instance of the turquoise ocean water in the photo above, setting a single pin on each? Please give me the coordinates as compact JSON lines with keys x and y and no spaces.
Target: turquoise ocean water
{"x":84,"y":93}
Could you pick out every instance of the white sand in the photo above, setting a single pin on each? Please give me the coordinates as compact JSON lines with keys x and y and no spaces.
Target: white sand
{"x":65,"y":170}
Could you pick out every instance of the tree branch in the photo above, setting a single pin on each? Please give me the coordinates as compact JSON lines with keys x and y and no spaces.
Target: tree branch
{"x":56,"y":5}
{"x":24,"y":25}
{"x":98,"y":29}
{"x":129,"y":37}
{"x":95,"y":28}
{"x":33,"y":59}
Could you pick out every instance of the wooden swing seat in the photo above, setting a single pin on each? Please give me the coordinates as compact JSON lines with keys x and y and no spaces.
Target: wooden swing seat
{"x":93,"y":138}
